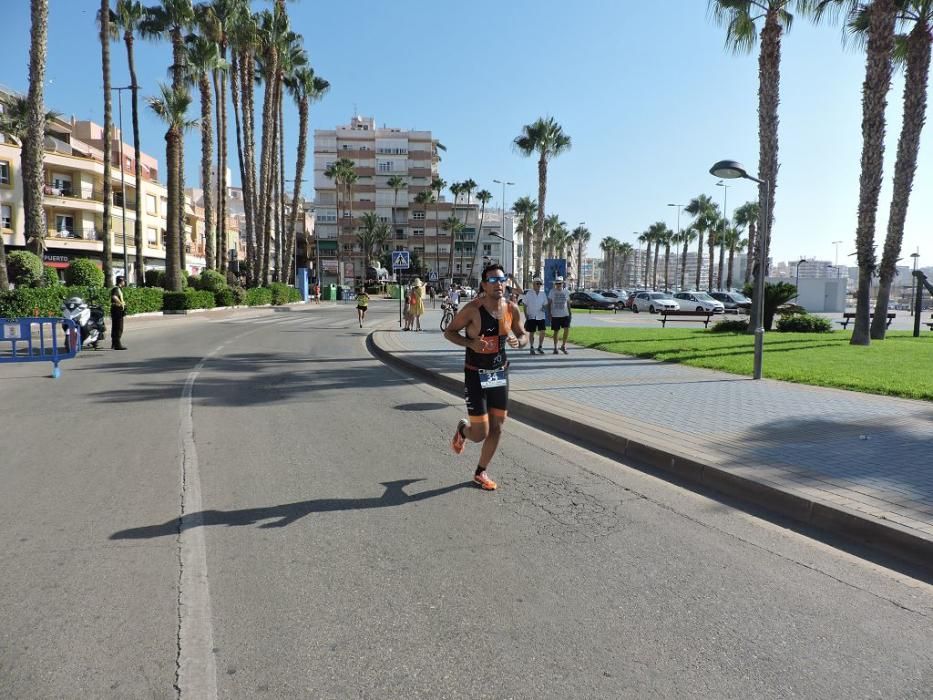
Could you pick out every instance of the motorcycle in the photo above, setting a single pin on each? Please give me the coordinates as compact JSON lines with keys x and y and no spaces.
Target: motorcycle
{"x":88,"y":319}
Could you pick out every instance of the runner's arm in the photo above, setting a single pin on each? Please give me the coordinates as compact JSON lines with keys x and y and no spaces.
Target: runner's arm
{"x":521,"y":339}
{"x":460,"y":322}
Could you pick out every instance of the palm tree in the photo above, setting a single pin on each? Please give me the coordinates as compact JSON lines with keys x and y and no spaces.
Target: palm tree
{"x":734,"y":241}
{"x":546,"y":138}
{"x":370,"y":234}
{"x":203,"y":60}
{"x":454,"y":226}
{"x":913,"y":52}
{"x":667,"y":238}
{"x":625,"y":252}
{"x":423,"y":199}
{"x":712,"y":240}
{"x":606,"y":246}
{"x":687,"y":236}
{"x":705,"y":212}
{"x":172,"y":108}
{"x":646,"y":239}
{"x":34,"y":138}
{"x":343,"y":173}
{"x":396,"y":182}
{"x":484,"y":197}
{"x":171,"y":19}
{"x":658,"y":232}
{"x":581,"y":235}
{"x":525,"y":208}
{"x":304,"y":86}
{"x":126,"y":19}
{"x":437,"y":186}
{"x":456,"y":189}
{"x":292,"y":58}
{"x":104,"y":19}
{"x":740,"y":18}
{"x":746,"y":217}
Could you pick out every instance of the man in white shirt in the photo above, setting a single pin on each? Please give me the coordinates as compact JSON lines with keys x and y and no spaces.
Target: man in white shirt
{"x":453,"y":296}
{"x":559,"y":306}
{"x":535,"y":301}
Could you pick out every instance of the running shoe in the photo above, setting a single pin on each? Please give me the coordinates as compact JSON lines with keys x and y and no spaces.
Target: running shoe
{"x":458,"y":441}
{"x":555,"y":351}
{"x":484,"y":482}
{"x":564,"y":350}
{"x":532,"y":351}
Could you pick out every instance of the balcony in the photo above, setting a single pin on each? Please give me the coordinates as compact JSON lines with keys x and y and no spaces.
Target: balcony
{"x":83,"y":234}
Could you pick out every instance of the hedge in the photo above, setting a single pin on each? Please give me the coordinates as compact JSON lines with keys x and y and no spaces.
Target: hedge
{"x":730,"y":326}
{"x":140,"y":300}
{"x":258,"y":296}
{"x":24,"y":268}
{"x":804,"y":323}
{"x":50,"y":275}
{"x":212,"y":281}
{"x":224,"y":297}
{"x":189,"y":299}
{"x":283,"y":294}
{"x":23,"y":302}
{"x":83,"y":273}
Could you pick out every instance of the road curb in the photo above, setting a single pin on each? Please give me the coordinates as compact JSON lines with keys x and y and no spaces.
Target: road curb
{"x":886,"y":537}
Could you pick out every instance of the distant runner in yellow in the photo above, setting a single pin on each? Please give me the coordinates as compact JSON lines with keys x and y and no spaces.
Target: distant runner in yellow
{"x":362,"y":304}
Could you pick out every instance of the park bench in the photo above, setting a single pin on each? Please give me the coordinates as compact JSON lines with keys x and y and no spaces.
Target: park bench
{"x":686,"y":317}
{"x":848,"y":316}
{"x":929,"y":323}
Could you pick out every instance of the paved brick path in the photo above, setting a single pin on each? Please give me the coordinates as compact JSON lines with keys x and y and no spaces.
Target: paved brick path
{"x":869,"y":454}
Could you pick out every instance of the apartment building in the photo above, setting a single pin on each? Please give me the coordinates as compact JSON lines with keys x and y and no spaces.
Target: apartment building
{"x":74,"y":202}
{"x":379,"y":154}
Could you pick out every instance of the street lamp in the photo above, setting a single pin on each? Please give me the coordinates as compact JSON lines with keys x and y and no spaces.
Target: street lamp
{"x":797,"y":282}
{"x":126,"y":264}
{"x":505,"y":183}
{"x":913,"y":283}
{"x":837,"y":244}
{"x":511,"y":242}
{"x":679,"y":207}
{"x":731,"y":170}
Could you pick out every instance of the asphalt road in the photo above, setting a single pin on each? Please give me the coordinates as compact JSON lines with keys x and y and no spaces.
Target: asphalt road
{"x":331,"y":545}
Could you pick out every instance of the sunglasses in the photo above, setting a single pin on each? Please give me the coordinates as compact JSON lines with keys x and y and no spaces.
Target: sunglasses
{"x":494,"y":280}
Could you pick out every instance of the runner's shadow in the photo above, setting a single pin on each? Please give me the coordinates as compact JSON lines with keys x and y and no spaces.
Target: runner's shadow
{"x":287,"y":513}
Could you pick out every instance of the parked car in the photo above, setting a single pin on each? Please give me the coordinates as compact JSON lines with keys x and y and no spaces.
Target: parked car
{"x":699,"y":301}
{"x":654,"y":302}
{"x":629,"y":299}
{"x":610,"y":294}
{"x":590,"y":300}
{"x":733,"y":301}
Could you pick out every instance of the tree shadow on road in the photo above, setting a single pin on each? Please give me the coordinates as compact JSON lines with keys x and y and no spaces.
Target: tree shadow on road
{"x":287,"y":513}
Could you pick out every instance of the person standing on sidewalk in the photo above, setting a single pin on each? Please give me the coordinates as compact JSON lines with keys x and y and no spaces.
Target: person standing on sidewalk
{"x":417,"y":303}
{"x":117,"y":314}
{"x":362,"y":304}
{"x":535,"y":301}
{"x":490,"y":323}
{"x":559,"y":306}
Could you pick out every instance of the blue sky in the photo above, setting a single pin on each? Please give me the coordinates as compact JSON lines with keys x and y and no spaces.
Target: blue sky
{"x":646,"y":91}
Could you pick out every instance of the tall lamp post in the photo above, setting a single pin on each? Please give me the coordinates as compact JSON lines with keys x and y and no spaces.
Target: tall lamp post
{"x":731,"y":170}
{"x":638,"y":259}
{"x":511,"y":242}
{"x":679,"y":207}
{"x":797,"y":282}
{"x":126,"y":264}
{"x":913,"y":284}
{"x":506,"y":183}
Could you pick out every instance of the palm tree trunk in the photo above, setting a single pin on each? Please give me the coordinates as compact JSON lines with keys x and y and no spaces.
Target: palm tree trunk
{"x":731,"y":261}
{"x":244,"y":179}
{"x":214,"y":242}
{"x":711,"y":242}
{"x":539,"y":227}
{"x":206,"y":158}
{"x":299,"y":172}
{"x":874,"y":101}
{"x":276,"y":192}
{"x":667,"y":258}
{"x":752,"y":251}
{"x":526,"y":252}
{"x":657,"y":256}
{"x":285,"y":258}
{"x":33,"y":143}
{"x":137,"y":165}
{"x":647,"y":263}
{"x":915,"y":98}
{"x":172,"y":281}
{"x":352,"y":227}
{"x":108,"y":143}
{"x":178,"y":65}
{"x":683,"y":265}
{"x":265,"y":169}
{"x":222,"y":262}
{"x":699,"y":258}
{"x":722,"y":255}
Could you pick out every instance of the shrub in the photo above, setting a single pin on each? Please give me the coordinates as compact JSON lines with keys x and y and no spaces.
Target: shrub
{"x":212,"y":281}
{"x":83,"y":273}
{"x":232,"y":279}
{"x":258,"y":296}
{"x":50,"y":276}
{"x":189,"y":281}
{"x":279,"y":293}
{"x":804,"y":323}
{"x":239,"y":295}
{"x":224,"y":297}
{"x":730,"y":326}
{"x":24,"y":269}
{"x":140,"y":300}
{"x":24,"y":301}
{"x":155,"y":278}
{"x":188,"y":299}
{"x":776,"y":294}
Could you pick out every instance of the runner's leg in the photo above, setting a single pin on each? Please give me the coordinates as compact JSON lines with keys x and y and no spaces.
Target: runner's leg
{"x":491,"y":443}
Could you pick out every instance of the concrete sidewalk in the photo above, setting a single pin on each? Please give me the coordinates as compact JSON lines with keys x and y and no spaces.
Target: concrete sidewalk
{"x":856,"y":465}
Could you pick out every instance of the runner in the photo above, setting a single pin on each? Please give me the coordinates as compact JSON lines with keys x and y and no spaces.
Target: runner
{"x":362,"y":303}
{"x":490,"y":323}
{"x":559,"y":306}
{"x":535,"y":301}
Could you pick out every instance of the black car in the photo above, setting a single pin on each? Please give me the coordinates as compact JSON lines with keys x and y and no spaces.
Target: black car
{"x":733,"y":301}
{"x":590,"y":300}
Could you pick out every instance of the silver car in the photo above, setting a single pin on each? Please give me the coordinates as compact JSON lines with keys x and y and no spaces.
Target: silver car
{"x":699,"y":301}
{"x":654,"y":302}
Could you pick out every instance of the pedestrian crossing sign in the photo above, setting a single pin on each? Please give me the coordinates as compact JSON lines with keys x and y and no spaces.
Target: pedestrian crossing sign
{"x":432,"y":277}
{"x":400,"y":260}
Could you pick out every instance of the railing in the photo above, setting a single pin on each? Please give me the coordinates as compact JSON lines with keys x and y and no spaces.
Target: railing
{"x":86,"y":235}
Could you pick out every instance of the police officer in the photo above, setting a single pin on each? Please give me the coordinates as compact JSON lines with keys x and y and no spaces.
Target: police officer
{"x":117,"y":314}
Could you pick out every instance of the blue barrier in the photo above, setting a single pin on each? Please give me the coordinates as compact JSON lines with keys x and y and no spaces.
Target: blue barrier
{"x":36,"y":340}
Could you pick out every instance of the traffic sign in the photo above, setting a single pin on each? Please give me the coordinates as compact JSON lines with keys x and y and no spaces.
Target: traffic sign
{"x":400,"y":260}
{"x":432,"y":276}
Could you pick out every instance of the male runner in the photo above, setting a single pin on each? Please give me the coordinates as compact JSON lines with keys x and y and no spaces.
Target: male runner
{"x":490,"y":322}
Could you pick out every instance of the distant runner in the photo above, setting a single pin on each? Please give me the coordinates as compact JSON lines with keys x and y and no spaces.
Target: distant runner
{"x":490,"y":322}
{"x":362,"y":304}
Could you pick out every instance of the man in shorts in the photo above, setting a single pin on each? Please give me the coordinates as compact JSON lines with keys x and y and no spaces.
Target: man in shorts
{"x":490,"y":322}
{"x":362,"y":304}
{"x":535,"y":302}
{"x":559,"y":306}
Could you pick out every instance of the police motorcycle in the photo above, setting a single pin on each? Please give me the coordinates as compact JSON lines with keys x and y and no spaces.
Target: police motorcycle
{"x":88,"y":319}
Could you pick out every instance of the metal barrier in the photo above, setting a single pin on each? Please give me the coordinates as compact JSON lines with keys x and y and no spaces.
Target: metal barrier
{"x":36,"y":340}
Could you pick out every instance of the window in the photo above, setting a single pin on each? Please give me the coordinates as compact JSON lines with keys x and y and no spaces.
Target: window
{"x":347,"y":247}
{"x":152,"y":236}
{"x":5,"y":173}
{"x":64,"y":223}
{"x":417,"y":232}
{"x":419,"y":215}
{"x":62,"y":183}
{"x":385,"y":166}
{"x":6,"y":216}
{"x":151,"y":204}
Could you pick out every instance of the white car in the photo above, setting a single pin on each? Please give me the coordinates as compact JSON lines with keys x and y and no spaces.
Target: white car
{"x":653,"y":302}
{"x":699,"y":301}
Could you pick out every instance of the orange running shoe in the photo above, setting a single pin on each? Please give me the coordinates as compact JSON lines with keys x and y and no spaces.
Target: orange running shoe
{"x":484,"y":482}
{"x":459,"y":441}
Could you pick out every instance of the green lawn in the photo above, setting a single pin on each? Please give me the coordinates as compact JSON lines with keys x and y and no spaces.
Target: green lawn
{"x":901,"y":365}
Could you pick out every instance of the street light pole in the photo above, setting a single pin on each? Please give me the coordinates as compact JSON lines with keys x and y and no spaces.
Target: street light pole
{"x":679,"y":207}
{"x":126,"y":264}
{"x":913,"y":284}
{"x":730,"y":170}
{"x":506,"y":183}
{"x":797,"y":283}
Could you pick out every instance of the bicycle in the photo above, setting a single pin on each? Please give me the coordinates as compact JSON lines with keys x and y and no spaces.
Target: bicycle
{"x":448,"y":314}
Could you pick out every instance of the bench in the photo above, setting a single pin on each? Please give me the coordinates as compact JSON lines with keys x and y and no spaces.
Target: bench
{"x":847,"y":317}
{"x":686,"y":317}
{"x":929,"y":323}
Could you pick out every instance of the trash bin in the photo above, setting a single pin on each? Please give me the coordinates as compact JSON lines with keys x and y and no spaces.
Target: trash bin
{"x":329,"y":292}
{"x":339,"y":293}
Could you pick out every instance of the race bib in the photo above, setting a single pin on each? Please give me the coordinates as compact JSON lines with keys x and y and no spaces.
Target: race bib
{"x":491,"y":378}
